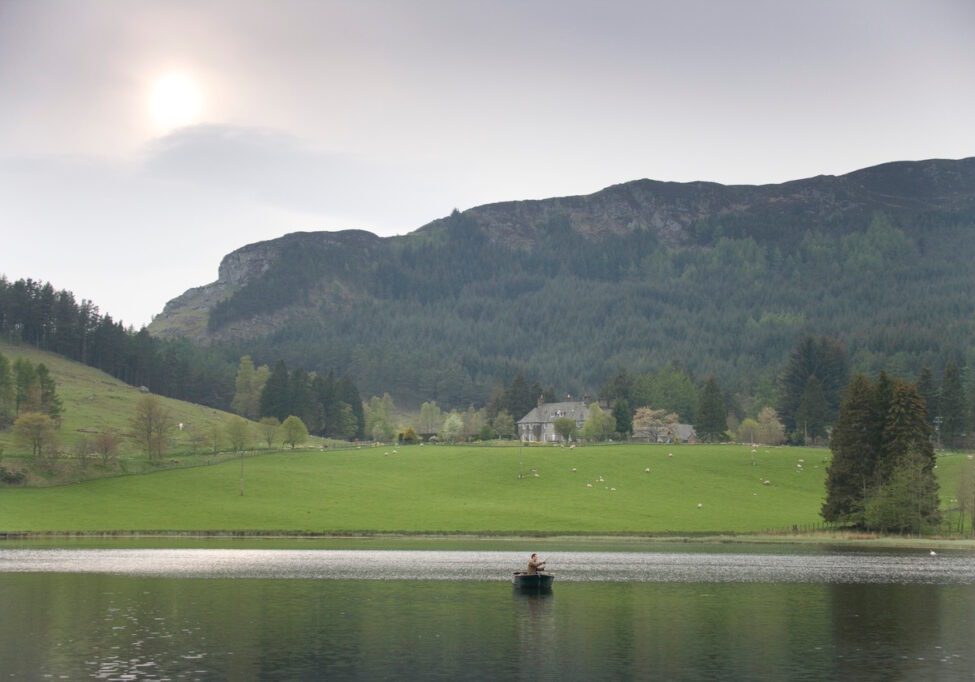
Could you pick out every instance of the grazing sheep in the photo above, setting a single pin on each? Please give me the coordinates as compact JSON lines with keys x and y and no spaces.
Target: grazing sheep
{"x":573,"y":469}
{"x":700,"y":506}
{"x":612,"y":490}
{"x":647,"y":470}
{"x":766,"y":482}
{"x":588,"y":485}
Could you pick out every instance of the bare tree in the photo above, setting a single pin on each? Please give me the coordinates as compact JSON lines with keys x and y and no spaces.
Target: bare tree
{"x":151,"y":426}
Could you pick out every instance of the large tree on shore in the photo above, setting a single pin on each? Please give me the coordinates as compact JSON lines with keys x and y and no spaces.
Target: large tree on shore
{"x":882,"y":473}
{"x":854,"y":442}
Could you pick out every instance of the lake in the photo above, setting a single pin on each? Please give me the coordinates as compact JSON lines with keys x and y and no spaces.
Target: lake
{"x":708,"y":613}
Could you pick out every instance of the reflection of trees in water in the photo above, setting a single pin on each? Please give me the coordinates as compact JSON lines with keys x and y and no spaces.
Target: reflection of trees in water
{"x":896,"y":623}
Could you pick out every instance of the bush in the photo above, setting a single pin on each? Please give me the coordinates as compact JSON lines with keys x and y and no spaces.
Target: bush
{"x":12,"y":477}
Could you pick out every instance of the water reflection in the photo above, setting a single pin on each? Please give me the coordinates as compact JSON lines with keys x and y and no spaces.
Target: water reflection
{"x":123,"y":627}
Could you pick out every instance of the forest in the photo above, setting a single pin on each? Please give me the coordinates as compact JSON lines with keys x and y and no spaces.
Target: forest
{"x":447,"y":317}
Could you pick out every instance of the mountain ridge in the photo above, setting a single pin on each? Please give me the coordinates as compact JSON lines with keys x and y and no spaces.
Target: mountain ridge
{"x":506,"y":252}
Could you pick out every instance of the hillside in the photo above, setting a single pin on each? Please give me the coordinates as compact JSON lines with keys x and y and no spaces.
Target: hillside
{"x":94,"y":400}
{"x":721,"y":279}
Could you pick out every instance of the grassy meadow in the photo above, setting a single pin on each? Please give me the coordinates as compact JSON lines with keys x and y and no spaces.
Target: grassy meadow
{"x":93,"y":401}
{"x":689,"y":489}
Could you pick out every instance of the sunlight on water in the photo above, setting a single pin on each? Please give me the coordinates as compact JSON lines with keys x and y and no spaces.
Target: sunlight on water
{"x":860,"y":567}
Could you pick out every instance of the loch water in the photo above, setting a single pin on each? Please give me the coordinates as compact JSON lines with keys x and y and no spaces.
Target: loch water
{"x":130,"y":614}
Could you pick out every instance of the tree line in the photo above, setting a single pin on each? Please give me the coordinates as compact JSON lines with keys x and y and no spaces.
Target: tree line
{"x":37,"y":314}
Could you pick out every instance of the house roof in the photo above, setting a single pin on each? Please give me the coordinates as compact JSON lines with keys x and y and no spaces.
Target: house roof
{"x":549,"y":412}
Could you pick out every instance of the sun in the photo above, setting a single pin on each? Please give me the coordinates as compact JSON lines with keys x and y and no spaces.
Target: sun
{"x":175,"y":100}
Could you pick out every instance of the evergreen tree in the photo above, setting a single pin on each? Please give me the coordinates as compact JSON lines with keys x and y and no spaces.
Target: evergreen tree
{"x":51,"y":403}
{"x":929,"y":392}
{"x":518,"y":398}
{"x":907,"y":441}
{"x":953,"y":407}
{"x":302,"y":403}
{"x":813,"y":412}
{"x":8,"y":393}
{"x":853,"y":443}
{"x":27,"y":388}
{"x":347,"y":393}
{"x":623,"y":417}
{"x":620,"y":387}
{"x":711,"y":422}
{"x":882,"y":473}
{"x":276,"y":396}
{"x":826,"y":360}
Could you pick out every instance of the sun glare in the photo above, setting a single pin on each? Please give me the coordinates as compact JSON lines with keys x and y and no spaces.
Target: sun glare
{"x":175,"y":101}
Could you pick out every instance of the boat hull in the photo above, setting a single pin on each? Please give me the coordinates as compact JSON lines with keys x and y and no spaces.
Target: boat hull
{"x":533,"y":581}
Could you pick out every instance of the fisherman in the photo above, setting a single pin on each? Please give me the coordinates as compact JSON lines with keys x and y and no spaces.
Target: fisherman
{"x":534,"y":565}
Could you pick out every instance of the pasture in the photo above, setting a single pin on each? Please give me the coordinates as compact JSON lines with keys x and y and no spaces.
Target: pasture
{"x":436,"y":489}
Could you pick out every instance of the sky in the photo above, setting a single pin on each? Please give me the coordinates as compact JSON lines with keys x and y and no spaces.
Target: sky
{"x":140,"y":142}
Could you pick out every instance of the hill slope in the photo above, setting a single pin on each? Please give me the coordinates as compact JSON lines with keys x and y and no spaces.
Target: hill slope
{"x":94,"y":400}
{"x":722,"y":279}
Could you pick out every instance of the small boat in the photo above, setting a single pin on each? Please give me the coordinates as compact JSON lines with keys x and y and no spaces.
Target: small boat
{"x":532,"y":581}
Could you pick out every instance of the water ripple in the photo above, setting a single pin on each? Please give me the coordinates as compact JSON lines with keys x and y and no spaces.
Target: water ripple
{"x":856,"y":567}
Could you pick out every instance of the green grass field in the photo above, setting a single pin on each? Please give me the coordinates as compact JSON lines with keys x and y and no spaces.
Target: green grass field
{"x":456,"y":489}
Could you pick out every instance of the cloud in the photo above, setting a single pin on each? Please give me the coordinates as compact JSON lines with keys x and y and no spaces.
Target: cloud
{"x":140,"y":232}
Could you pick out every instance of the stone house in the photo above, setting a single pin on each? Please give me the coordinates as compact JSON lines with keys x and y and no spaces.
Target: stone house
{"x":538,"y":426}
{"x":665,"y":433}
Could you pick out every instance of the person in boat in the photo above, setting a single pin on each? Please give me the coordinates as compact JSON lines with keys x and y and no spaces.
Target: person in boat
{"x":535,"y":565}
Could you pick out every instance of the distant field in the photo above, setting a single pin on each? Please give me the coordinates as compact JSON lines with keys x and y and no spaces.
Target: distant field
{"x":465,"y":489}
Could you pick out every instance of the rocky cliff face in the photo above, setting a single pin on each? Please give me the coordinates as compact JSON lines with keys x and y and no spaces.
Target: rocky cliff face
{"x":676,"y":214}
{"x":186,"y":315}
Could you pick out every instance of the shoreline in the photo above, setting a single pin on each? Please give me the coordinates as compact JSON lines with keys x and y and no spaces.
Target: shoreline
{"x":482,"y":540}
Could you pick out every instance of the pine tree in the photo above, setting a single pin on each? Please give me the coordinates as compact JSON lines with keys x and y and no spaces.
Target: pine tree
{"x":953,"y":407}
{"x":276,"y":396}
{"x":909,"y":482}
{"x":712,"y":415}
{"x":51,"y":403}
{"x":812,"y":414}
{"x":929,"y":392}
{"x":826,"y":360}
{"x":8,"y":394}
{"x":882,"y":473}
{"x":518,"y":398}
{"x":853,"y":443}
{"x":624,"y":418}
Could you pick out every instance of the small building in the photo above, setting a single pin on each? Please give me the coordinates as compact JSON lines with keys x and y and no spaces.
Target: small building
{"x":538,"y":426}
{"x":665,"y":433}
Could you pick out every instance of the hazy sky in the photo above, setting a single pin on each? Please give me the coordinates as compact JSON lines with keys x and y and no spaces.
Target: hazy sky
{"x":142,"y":141}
